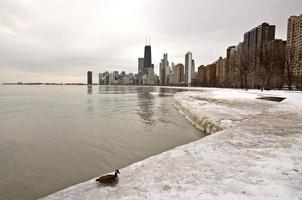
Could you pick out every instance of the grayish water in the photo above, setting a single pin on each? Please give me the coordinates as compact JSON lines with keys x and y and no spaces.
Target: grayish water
{"x":52,"y":137}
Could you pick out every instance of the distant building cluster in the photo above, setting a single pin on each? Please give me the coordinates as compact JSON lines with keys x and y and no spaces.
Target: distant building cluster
{"x":259,"y":61}
{"x":116,"y":78}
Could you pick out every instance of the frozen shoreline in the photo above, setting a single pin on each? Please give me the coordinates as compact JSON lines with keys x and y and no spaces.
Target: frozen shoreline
{"x":256,"y":155}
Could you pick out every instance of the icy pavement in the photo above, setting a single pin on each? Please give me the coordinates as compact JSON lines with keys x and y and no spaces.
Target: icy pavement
{"x":257,"y":155}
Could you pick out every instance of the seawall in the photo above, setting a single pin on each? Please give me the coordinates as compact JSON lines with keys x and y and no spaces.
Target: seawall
{"x":202,"y":123}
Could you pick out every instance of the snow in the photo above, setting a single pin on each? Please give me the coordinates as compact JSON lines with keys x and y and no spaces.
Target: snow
{"x":257,"y":154}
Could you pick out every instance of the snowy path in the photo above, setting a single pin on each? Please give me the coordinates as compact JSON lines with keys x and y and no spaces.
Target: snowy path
{"x":258,"y":155}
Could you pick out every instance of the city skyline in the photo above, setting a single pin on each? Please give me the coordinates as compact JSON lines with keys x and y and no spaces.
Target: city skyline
{"x":36,"y":45}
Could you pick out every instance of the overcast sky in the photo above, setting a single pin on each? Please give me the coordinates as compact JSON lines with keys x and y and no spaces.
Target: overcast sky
{"x":60,"y":40}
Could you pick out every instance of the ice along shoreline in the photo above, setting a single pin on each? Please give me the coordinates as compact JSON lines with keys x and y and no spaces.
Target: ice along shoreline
{"x":257,"y":155}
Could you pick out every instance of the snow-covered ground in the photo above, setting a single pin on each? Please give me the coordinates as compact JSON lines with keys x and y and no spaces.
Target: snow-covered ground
{"x":254,"y":152}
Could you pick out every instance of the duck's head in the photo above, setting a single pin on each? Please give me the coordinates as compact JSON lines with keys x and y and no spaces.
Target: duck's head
{"x":117,"y":171}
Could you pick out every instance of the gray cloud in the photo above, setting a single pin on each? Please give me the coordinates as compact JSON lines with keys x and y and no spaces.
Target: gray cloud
{"x":54,"y":40}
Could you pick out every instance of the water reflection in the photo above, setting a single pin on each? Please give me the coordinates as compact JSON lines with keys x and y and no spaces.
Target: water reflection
{"x":114,"y":89}
{"x":146,"y":105}
{"x":89,"y":105}
{"x":149,"y":102}
{"x":89,"y":89}
{"x":89,"y":99}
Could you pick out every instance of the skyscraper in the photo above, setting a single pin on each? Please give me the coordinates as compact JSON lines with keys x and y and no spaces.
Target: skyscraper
{"x":140,"y":65}
{"x":164,"y":70}
{"x":221,"y":72}
{"x":147,"y":59}
{"x":201,"y":75}
{"x":210,"y":75}
{"x":230,"y":60}
{"x":101,"y":79}
{"x":140,"y":70}
{"x":148,"y":71}
{"x":179,"y":74}
{"x":173,"y":67}
{"x":193,"y":69}
{"x":188,"y":68}
{"x":253,"y":44}
{"x":89,"y":78}
{"x":294,"y":44}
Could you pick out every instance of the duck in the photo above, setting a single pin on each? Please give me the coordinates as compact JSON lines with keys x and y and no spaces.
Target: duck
{"x":109,"y":179}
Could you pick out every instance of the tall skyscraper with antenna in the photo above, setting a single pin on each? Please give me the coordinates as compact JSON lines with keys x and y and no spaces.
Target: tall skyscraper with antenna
{"x":147,"y":57}
{"x":148,"y":77}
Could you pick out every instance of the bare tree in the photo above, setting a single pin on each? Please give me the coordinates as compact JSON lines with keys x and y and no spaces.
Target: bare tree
{"x":266,"y":58}
{"x":291,"y":64}
{"x":242,"y":68}
{"x":272,"y":62}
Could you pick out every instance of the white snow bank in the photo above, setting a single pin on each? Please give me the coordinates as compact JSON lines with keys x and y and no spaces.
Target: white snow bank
{"x":258,"y":155}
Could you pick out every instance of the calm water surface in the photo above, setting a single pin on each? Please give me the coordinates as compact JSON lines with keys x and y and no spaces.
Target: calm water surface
{"x":52,"y":137}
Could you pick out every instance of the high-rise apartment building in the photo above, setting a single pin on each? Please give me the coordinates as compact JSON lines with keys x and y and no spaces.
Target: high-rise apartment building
{"x":140,"y":65}
{"x":188,"y":69}
{"x":140,"y":71}
{"x":89,"y":78}
{"x":173,"y":67}
{"x":221,"y":72}
{"x":164,"y":70}
{"x":101,"y":79}
{"x":179,"y":74}
{"x":294,"y":44}
{"x":114,"y":78}
{"x":106,"y":78}
{"x":229,"y":64}
{"x":201,"y":77}
{"x":210,"y":75}
{"x":254,"y":41}
{"x":193,"y":69}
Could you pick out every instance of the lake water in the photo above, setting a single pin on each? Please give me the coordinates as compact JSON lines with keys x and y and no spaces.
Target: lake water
{"x":52,"y":137}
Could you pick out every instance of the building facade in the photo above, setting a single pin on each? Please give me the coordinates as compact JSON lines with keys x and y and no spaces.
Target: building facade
{"x":148,"y":71}
{"x":140,"y":65}
{"x":221,"y":72}
{"x":193,"y":70}
{"x":210,"y":80}
{"x":294,"y":46}
{"x":254,"y":41}
{"x":140,"y":71}
{"x":101,"y":79}
{"x":201,"y":75}
{"x":147,"y":59}
{"x":179,"y":74}
{"x":188,"y":69}
{"x":89,"y":78}
{"x":164,"y":70}
{"x":229,"y":63}
{"x":230,"y":66}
